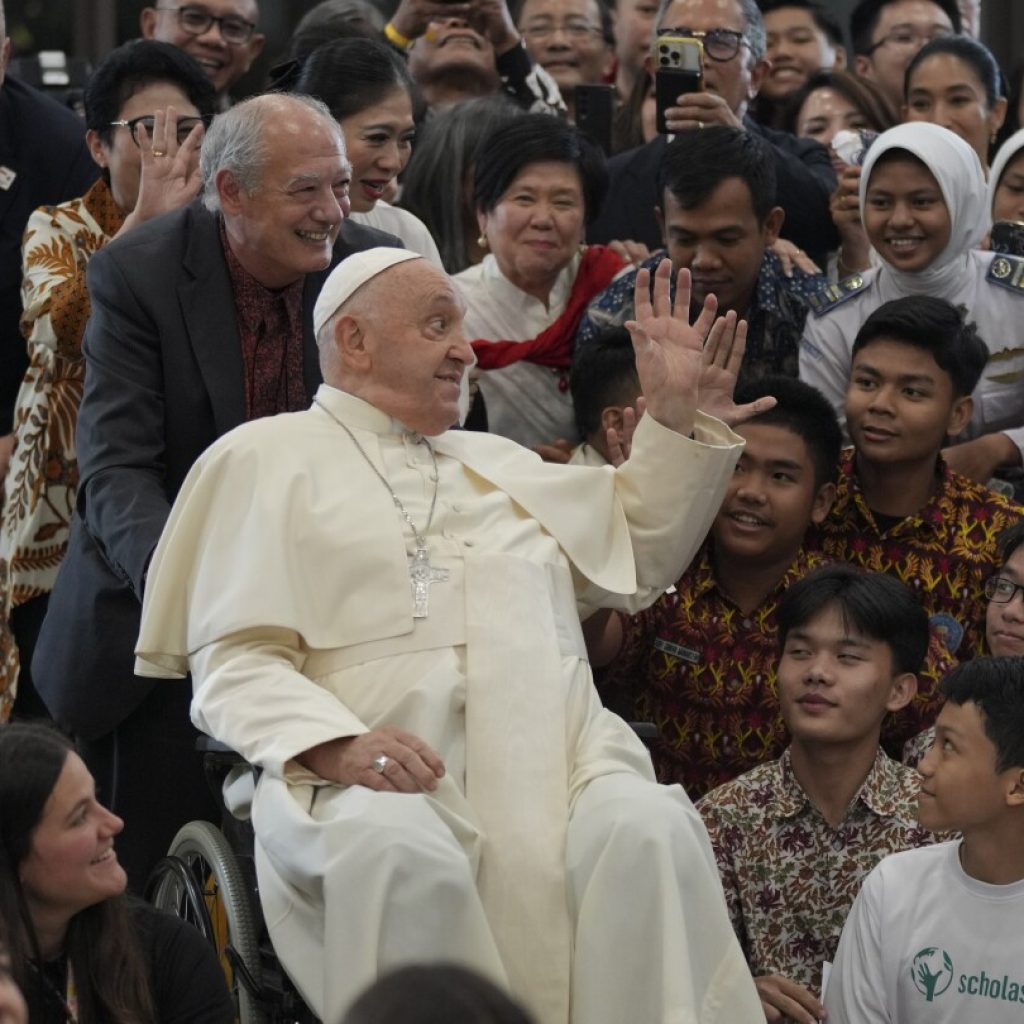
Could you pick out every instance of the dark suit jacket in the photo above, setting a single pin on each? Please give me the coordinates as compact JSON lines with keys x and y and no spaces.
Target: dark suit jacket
{"x":164,"y":380}
{"x":804,"y":183}
{"x":43,"y":143}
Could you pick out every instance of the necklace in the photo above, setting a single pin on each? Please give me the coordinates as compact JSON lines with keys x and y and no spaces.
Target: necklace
{"x":421,"y":572}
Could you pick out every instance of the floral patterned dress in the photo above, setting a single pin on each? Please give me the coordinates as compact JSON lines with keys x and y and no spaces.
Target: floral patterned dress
{"x":40,"y":487}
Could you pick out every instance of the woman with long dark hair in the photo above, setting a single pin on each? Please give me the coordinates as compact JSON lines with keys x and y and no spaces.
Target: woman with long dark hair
{"x":79,"y":949}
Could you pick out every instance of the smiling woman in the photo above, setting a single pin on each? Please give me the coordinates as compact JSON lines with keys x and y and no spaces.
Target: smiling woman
{"x":368,"y":89}
{"x":78,"y":949}
{"x":923,"y":203}
{"x":538,"y":181}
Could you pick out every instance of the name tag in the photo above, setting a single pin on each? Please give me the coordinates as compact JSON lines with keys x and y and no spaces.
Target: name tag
{"x":7,"y":177}
{"x":677,"y":651}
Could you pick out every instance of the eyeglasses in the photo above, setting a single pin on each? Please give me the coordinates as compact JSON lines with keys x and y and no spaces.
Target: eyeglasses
{"x":573,"y":29}
{"x":1002,"y":590}
{"x":908,"y":39}
{"x":720,"y":44}
{"x":185,"y":126}
{"x":196,"y":21}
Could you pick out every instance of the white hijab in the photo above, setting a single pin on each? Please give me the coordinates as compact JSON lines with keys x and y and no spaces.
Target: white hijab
{"x":956,"y":168}
{"x":1007,"y":151}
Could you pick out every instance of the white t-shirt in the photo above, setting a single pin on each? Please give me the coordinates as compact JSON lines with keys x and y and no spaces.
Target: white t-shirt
{"x":927,"y":943}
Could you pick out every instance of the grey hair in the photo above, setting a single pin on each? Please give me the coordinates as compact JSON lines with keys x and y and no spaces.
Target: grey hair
{"x":445,"y":151}
{"x":754,"y":32}
{"x":235,"y":142}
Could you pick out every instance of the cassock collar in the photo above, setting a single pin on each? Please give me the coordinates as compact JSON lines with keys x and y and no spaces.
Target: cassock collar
{"x":358,"y":413}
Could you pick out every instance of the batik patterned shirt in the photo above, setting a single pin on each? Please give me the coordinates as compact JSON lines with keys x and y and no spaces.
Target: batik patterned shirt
{"x":789,"y":876}
{"x":705,"y":674}
{"x":42,"y":480}
{"x":775,"y":318}
{"x":944,"y":553}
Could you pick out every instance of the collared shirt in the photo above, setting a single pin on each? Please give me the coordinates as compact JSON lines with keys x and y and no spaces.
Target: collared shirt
{"x":270,"y":327}
{"x":944,"y":553}
{"x":775,"y":318}
{"x":705,"y":674}
{"x":789,"y":876}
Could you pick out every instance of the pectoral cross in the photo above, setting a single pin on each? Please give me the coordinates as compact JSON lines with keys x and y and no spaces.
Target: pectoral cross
{"x":421,"y":575}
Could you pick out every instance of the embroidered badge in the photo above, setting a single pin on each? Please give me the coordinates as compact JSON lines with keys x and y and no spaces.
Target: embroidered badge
{"x":1007,"y":272}
{"x":948,"y":629}
{"x":830,"y":296}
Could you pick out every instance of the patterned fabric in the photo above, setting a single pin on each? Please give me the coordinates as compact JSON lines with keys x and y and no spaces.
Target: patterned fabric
{"x":944,"y":554}
{"x":776,"y":316}
{"x":790,"y":878}
{"x":270,"y":327}
{"x":43,"y":476}
{"x":705,"y":674}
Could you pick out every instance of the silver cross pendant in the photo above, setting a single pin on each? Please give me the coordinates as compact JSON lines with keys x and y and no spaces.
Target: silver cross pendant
{"x":421,"y":575}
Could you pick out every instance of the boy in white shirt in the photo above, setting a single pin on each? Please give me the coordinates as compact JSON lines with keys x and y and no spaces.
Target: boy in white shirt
{"x":935,"y":934}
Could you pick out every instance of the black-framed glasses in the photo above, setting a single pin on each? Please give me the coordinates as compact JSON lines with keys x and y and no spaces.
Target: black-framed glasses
{"x":907,"y":38}
{"x":185,"y":126}
{"x":235,"y":31}
{"x":1001,"y":590}
{"x":720,"y":44}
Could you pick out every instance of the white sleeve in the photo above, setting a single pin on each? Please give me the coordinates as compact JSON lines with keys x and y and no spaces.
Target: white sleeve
{"x":250,"y":693}
{"x":857,"y":990}
{"x":825,"y":362}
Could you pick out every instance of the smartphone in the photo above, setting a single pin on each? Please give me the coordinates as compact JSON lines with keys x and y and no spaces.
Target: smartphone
{"x":595,"y":113}
{"x":678,"y":69}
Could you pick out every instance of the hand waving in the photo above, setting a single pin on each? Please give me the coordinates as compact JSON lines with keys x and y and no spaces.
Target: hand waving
{"x":169,"y":177}
{"x":668,"y":350}
{"x":722,"y":358}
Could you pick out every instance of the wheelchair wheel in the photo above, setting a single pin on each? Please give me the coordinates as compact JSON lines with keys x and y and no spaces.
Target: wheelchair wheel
{"x":201,"y":882}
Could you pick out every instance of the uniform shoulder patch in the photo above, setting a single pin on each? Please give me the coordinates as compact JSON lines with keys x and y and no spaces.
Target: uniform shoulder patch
{"x":1007,"y":272}
{"x":828,"y":297}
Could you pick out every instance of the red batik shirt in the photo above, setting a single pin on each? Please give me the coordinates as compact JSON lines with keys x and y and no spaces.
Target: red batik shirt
{"x":704,"y":673}
{"x":944,"y":554}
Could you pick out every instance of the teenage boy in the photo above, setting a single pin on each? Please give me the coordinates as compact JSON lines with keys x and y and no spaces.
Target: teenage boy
{"x":795,"y":838}
{"x":935,"y":935}
{"x":899,"y":508}
{"x":603,"y":384}
{"x":718,"y":218}
{"x":700,"y":662}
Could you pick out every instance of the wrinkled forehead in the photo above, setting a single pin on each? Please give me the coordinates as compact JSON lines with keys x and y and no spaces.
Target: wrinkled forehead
{"x":702,"y":15}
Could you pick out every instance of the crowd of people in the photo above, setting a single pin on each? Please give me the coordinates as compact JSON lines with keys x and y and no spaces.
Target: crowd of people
{"x":428,"y":440}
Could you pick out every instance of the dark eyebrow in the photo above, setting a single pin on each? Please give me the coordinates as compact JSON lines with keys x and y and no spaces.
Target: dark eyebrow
{"x":907,"y":378}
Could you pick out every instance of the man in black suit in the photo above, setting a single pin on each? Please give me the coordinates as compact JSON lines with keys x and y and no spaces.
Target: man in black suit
{"x":734,"y":67}
{"x":43,"y":160}
{"x":201,"y":320}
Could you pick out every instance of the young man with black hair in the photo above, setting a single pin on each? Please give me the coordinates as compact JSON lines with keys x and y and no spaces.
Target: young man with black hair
{"x":899,"y":508}
{"x":887,"y":33}
{"x":935,"y":934}
{"x":802,"y":38}
{"x":604,"y":384}
{"x":794,"y":838}
{"x":700,"y":662}
{"x":718,"y":218}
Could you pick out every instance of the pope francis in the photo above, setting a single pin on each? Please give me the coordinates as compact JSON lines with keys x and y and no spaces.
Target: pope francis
{"x":384,"y":614}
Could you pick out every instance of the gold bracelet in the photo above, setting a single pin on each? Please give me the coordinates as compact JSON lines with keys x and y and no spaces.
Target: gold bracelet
{"x":396,"y":38}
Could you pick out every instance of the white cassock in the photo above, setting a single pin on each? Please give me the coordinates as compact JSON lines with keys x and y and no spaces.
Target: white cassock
{"x":547,"y":858}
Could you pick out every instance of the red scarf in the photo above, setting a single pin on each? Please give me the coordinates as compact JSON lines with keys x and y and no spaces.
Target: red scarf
{"x":553,"y":346}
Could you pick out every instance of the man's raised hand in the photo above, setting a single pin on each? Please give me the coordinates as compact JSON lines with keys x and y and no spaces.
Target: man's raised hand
{"x":722,"y":358}
{"x":668,"y":350}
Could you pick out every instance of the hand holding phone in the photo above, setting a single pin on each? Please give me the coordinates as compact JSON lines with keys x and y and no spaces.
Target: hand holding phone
{"x":678,"y":69}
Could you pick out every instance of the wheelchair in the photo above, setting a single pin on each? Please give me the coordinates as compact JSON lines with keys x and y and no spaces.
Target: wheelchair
{"x":208,"y":878}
